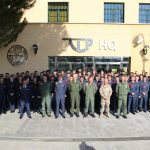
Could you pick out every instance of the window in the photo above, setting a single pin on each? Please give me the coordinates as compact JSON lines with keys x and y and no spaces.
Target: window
{"x":113,"y":12}
{"x":58,"y":12}
{"x":144,"y":13}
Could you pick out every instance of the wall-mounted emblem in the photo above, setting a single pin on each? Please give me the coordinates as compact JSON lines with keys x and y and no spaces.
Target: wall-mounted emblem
{"x":79,"y":45}
{"x":17,"y":55}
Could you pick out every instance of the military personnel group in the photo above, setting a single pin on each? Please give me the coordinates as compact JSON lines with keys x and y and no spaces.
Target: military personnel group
{"x":78,"y":92}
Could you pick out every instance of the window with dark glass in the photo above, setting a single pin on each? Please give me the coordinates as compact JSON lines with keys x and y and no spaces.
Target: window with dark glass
{"x":58,"y":12}
{"x":113,"y":12}
{"x":144,"y":13}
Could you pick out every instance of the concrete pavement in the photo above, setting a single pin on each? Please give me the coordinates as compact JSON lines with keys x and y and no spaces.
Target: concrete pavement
{"x":97,"y":133}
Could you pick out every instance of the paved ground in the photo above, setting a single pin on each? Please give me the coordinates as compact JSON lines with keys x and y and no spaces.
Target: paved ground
{"x":74,"y":133}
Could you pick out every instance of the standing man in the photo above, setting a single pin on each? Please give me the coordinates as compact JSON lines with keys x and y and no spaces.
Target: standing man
{"x":137,"y":93}
{"x":60,"y":90}
{"x":3,"y":108}
{"x":11,"y":94}
{"x":45,"y":90}
{"x":75,"y":87}
{"x":144,"y":88}
{"x":132,"y":95}
{"x":25,"y":99}
{"x":90,"y":89}
{"x":122,"y":90}
{"x":105,"y":92}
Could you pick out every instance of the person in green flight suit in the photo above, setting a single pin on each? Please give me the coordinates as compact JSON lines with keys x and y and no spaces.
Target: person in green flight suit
{"x":90,"y":89}
{"x":75,"y":87}
{"x":122,"y":90}
{"x":45,"y":90}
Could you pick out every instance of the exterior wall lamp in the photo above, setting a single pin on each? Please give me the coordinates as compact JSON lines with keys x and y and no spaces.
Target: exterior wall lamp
{"x":35,"y":48}
{"x":145,"y":49}
{"x":142,"y":40}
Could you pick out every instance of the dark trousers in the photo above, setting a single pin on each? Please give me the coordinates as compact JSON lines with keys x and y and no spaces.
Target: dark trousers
{"x":36,"y":103}
{"x":12,"y":101}
{"x":3,"y":107}
{"x":58,"y":102}
{"x":132,"y":104}
{"x":24,"y":105}
{"x":143,"y":103}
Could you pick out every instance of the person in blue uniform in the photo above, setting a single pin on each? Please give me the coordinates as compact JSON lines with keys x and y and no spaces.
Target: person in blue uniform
{"x":132,"y":95}
{"x":60,"y":90}
{"x":3,"y":108}
{"x":137,"y":93}
{"x":25,"y":99}
{"x":144,"y":88}
{"x":11,"y":94}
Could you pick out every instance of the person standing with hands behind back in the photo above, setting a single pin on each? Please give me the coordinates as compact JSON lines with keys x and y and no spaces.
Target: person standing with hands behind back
{"x":105,"y":92}
{"x":45,"y":90}
{"x":122,"y":90}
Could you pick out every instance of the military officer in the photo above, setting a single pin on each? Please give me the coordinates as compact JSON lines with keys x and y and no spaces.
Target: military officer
{"x":122,"y":90}
{"x":144,"y":88}
{"x":105,"y":92}
{"x":60,"y":90}
{"x":75,"y":87}
{"x":2,"y":96}
{"x":11,"y":94}
{"x":25,"y":99}
{"x":137,"y":92}
{"x":45,"y":90}
{"x":90,"y":89}
{"x":132,"y":95}
{"x":36,"y":101}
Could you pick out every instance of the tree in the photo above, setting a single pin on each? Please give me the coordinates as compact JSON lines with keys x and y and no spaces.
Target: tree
{"x":11,"y":19}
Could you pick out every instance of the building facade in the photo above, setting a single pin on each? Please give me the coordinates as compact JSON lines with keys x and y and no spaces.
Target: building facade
{"x":110,"y":35}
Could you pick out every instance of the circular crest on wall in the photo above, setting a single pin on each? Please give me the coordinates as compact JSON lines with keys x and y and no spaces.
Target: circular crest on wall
{"x":17,"y":55}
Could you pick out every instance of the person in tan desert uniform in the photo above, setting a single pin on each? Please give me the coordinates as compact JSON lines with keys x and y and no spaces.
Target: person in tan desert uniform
{"x":105,"y":92}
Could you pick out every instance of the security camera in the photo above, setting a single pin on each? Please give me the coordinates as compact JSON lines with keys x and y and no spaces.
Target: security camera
{"x":140,"y":39}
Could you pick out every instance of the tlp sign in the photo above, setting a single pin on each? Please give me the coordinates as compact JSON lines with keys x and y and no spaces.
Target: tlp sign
{"x":75,"y":44}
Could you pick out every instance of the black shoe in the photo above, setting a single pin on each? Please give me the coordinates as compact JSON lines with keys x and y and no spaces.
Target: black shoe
{"x":64,"y":116}
{"x":117,"y":117}
{"x":71,"y":115}
{"x":128,"y":112}
{"x":21,"y":117}
{"x":77,"y":115}
{"x":43,"y":116}
{"x":136,"y":111}
{"x":133,"y":113}
{"x":125,"y":117}
{"x":49,"y":115}
{"x":56,"y":117}
{"x":85,"y":115}
{"x":30,"y":117}
{"x":93,"y":115}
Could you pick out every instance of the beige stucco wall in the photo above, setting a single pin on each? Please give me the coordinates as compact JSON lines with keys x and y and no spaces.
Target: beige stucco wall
{"x":84,"y":11}
{"x":49,"y":37}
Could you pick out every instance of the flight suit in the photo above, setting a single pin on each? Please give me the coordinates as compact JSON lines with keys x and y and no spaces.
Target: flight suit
{"x":144,"y":87}
{"x":90,"y":90}
{"x":122,"y":90}
{"x":137,"y":95}
{"x":45,"y":90}
{"x":132,"y":98}
{"x":60,"y":90}
{"x":75,"y":88}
